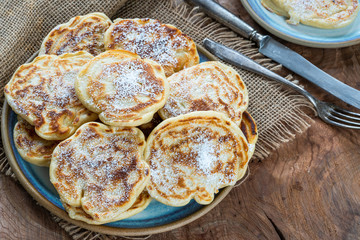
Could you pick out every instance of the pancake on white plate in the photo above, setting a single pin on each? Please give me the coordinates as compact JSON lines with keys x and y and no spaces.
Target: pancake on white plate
{"x":317,"y":13}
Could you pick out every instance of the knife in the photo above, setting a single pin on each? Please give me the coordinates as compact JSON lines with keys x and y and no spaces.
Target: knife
{"x":281,"y":54}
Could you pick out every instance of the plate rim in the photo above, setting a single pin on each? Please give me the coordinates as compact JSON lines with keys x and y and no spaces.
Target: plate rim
{"x":284,"y":36}
{"x":43,"y":201}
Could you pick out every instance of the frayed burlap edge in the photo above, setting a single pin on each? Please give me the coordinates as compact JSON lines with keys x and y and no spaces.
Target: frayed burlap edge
{"x":294,"y":123}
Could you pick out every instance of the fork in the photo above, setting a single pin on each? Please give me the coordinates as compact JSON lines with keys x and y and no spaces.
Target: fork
{"x":328,"y":112}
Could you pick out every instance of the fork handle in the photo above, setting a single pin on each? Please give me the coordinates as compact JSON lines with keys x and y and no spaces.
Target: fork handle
{"x":234,"y":57}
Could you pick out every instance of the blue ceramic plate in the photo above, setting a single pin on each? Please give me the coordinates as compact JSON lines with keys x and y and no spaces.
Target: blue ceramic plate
{"x":302,"y":34}
{"x":156,"y":218}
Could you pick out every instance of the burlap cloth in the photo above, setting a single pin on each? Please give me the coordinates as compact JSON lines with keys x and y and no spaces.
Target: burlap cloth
{"x":278,"y":112}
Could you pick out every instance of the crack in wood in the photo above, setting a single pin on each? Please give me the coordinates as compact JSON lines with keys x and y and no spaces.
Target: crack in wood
{"x":278,"y":231}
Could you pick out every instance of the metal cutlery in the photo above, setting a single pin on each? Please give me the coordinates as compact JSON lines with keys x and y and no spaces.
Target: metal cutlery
{"x":328,"y":112}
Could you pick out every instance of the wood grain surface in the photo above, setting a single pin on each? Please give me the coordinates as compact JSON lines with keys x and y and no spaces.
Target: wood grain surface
{"x":308,"y":189}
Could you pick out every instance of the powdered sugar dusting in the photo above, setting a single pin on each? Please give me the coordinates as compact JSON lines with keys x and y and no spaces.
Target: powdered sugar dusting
{"x":152,"y":40}
{"x":319,"y":10}
{"x":132,"y":79}
{"x":202,"y":88}
{"x":206,"y":157}
{"x":162,"y":172}
{"x":195,"y":158}
{"x":308,"y":6}
{"x":106,"y":166}
{"x":57,"y":91}
{"x":62,"y":91}
{"x":44,"y":91}
{"x":82,"y":33}
{"x":129,"y":83}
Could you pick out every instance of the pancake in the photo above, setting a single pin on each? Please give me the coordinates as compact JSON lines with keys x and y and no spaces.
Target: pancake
{"x":122,"y":88}
{"x":249,"y":128}
{"x":81,"y":33}
{"x":30,"y":146}
{"x":194,"y":155}
{"x":250,"y":131}
{"x":149,"y":38}
{"x":140,"y":204}
{"x":317,"y":13}
{"x":100,"y":169}
{"x":209,"y":86}
{"x":147,"y":128}
{"x":42,"y":92}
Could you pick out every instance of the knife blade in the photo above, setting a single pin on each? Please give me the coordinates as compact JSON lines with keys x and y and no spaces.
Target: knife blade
{"x":281,"y":54}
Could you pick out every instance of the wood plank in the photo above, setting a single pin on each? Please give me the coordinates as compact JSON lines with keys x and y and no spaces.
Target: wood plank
{"x":22,"y":218}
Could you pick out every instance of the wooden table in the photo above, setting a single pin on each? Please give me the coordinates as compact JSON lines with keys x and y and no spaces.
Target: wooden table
{"x":308,"y":189}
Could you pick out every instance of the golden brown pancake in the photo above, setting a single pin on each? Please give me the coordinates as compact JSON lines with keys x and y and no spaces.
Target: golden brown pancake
{"x":317,"y":13}
{"x":100,"y":169}
{"x":249,"y":128}
{"x":122,"y":88}
{"x":147,"y":128}
{"x":30,"y":146}
{"x":140,"y":204}
{"x":194,"y":155}
{"x":208,"y":86}
{"x":151,"y":39}
{"x":81,"y":33}
{"x":42,"y":92}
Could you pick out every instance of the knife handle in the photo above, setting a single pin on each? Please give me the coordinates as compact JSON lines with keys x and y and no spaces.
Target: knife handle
{"x":216,"y":11}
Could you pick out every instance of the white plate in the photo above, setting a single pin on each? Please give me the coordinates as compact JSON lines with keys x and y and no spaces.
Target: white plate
{"x":302,"y":34}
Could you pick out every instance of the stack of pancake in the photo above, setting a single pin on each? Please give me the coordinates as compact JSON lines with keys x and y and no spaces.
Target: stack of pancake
{"x":122,"y":112}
